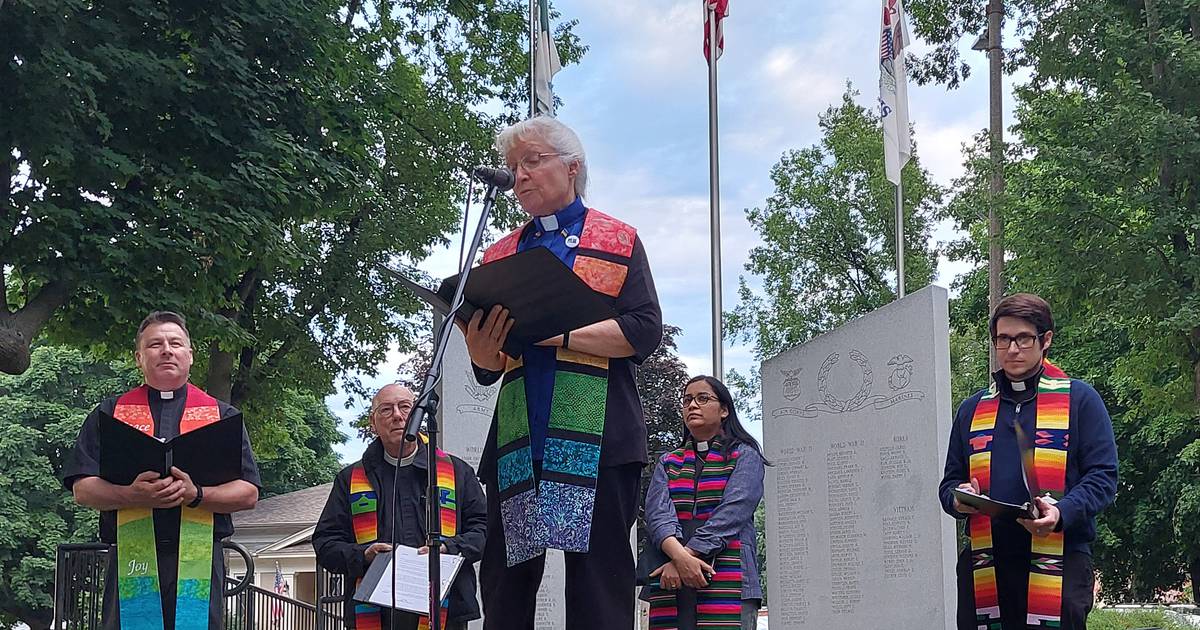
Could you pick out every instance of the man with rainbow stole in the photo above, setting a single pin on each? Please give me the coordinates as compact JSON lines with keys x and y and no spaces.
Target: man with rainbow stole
{"x":1029,"y":573}
{"x":167,"y":570}
{"x":359,"y":516}
{"x":567,"y":445}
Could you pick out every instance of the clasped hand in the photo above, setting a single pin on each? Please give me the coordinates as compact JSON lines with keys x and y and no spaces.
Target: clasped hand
{"x":150,"y":490}
{"x":687,"y":569}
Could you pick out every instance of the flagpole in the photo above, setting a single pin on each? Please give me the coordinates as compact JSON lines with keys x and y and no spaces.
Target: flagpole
{"x":899,"y":242}
{"x":714,"y":194}
{"x":532,"y":56}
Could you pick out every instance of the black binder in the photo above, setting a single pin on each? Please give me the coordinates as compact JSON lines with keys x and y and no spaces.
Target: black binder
{"x":211,"y":455}
{"x":543,"y":296}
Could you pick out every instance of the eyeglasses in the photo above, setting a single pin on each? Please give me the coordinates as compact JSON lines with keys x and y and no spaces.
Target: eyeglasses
{"x":1024,"y":342}
{"x":387,"y":410}
{"x":532,"y":162}
{"x":701,"y":399}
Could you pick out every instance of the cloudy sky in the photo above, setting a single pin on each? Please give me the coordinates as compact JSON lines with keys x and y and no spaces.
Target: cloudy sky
{"x":639,"y":101}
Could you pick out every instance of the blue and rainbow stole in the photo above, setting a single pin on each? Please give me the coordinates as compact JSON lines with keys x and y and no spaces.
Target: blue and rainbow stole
{"x":556,"y":512}
{"x":718,"y":605}
{"x":138,"y":588}
{"x":364,"y":503}
{"x":1050,"y":463}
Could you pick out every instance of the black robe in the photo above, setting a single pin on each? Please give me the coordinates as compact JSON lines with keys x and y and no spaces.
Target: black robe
{"x":84,"y":461}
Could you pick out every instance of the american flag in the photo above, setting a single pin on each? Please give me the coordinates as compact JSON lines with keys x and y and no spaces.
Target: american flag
{"x":721,"y":9}
{"x":280,"y":585}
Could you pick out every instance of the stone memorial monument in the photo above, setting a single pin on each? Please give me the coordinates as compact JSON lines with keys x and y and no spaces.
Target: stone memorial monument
{"x":856,"y":422}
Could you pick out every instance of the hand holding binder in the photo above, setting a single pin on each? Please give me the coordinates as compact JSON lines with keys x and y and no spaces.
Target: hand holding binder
{"x":544,"y":297}
{"x":211,"y":455}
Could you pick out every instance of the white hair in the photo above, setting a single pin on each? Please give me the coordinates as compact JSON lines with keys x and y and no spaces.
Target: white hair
{"x":560,"y":137}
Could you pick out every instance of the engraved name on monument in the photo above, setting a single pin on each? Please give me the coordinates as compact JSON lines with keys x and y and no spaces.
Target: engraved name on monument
{"x":855,"y":422}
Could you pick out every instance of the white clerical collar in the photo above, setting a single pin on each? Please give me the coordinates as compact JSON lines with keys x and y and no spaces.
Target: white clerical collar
{"x":548,"y":223}
{"x":702,"y":446}
{"x":167,"y":394}
{"x":403,"y":461}
{"x":1018,"y":386}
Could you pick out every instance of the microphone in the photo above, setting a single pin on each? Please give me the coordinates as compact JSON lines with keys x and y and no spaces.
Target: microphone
{"x":502,"y":178}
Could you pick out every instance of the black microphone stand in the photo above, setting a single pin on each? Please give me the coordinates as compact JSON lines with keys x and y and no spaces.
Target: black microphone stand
{"x":425,"y":412}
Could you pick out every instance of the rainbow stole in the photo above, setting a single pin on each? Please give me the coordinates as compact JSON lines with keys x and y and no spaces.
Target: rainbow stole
{"x":1050,"y":463}
{"x":138,"y":586}
{"x":718,"y":605}
{"x":365,"y":521}
{"x":557,"y":511}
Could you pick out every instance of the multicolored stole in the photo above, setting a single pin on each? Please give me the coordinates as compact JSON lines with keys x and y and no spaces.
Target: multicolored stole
{"x":365,"y":520}
{"x":718,"y":605}
{"x":557,"y":511}
{"x":137,"y":558}
{"x":1050,"y":463}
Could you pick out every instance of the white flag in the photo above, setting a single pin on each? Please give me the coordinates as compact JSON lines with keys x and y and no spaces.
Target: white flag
{"x":545,"y":61}
{"x":893,"y":89}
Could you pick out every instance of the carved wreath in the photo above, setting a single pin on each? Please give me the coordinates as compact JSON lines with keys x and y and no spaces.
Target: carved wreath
{"x":864,"y":388}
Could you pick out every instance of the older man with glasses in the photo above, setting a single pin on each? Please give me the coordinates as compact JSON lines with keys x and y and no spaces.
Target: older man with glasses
{"x":568,"y":439}
{"x":1029,"y":572}
{"x":387,"y":488}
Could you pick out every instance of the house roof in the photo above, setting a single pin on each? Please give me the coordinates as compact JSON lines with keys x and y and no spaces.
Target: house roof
{"x":302,"y":507}
{"x":299,"y":542}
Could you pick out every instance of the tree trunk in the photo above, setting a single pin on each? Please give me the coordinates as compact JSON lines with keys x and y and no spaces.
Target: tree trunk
{"x":18,"y":329}
{"x":219,"y":382}
{"x":1153,"y":25}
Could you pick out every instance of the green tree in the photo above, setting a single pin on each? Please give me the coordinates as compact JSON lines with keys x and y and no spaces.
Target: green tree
{"x":40,"y":415}
{"x":295,"y":450}
{"x":660,"y":381}
{"x":829,"y":235}
{"x":1103,"y":220}
{"x":246,"y":165}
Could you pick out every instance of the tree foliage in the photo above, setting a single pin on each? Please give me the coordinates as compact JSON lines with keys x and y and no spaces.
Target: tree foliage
{"x":660,"y":381}
{"x":248,"y":165}
{"x":832,"y":216}
{"x":40,"y":415}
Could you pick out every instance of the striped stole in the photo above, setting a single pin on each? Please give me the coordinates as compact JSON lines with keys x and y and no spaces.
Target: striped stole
{"x":718,"y":605}
{"x":1050,"y":463}
{"x":138,"y":588}
{"x":364,"y":519}
{"x":556,"y":512}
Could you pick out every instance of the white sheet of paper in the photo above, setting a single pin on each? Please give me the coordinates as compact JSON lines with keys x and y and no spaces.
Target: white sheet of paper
{"x":412,"y":579}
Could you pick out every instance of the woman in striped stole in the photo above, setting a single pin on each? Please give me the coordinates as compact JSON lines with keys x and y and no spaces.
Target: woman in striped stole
{"x":700,"y":513}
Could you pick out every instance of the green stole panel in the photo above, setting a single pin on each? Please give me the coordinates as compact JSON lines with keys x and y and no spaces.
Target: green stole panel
{"x":138,"y":585}
{"x":556,"y":512}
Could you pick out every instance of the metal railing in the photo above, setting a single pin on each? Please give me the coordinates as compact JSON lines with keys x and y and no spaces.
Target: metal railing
{"x":256,"y":608}
{"x":329,"y":599}
{"x":79,"y":595}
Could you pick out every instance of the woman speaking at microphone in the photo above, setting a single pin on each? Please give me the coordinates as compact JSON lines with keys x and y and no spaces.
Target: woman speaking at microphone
{"x":564,"y":455}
